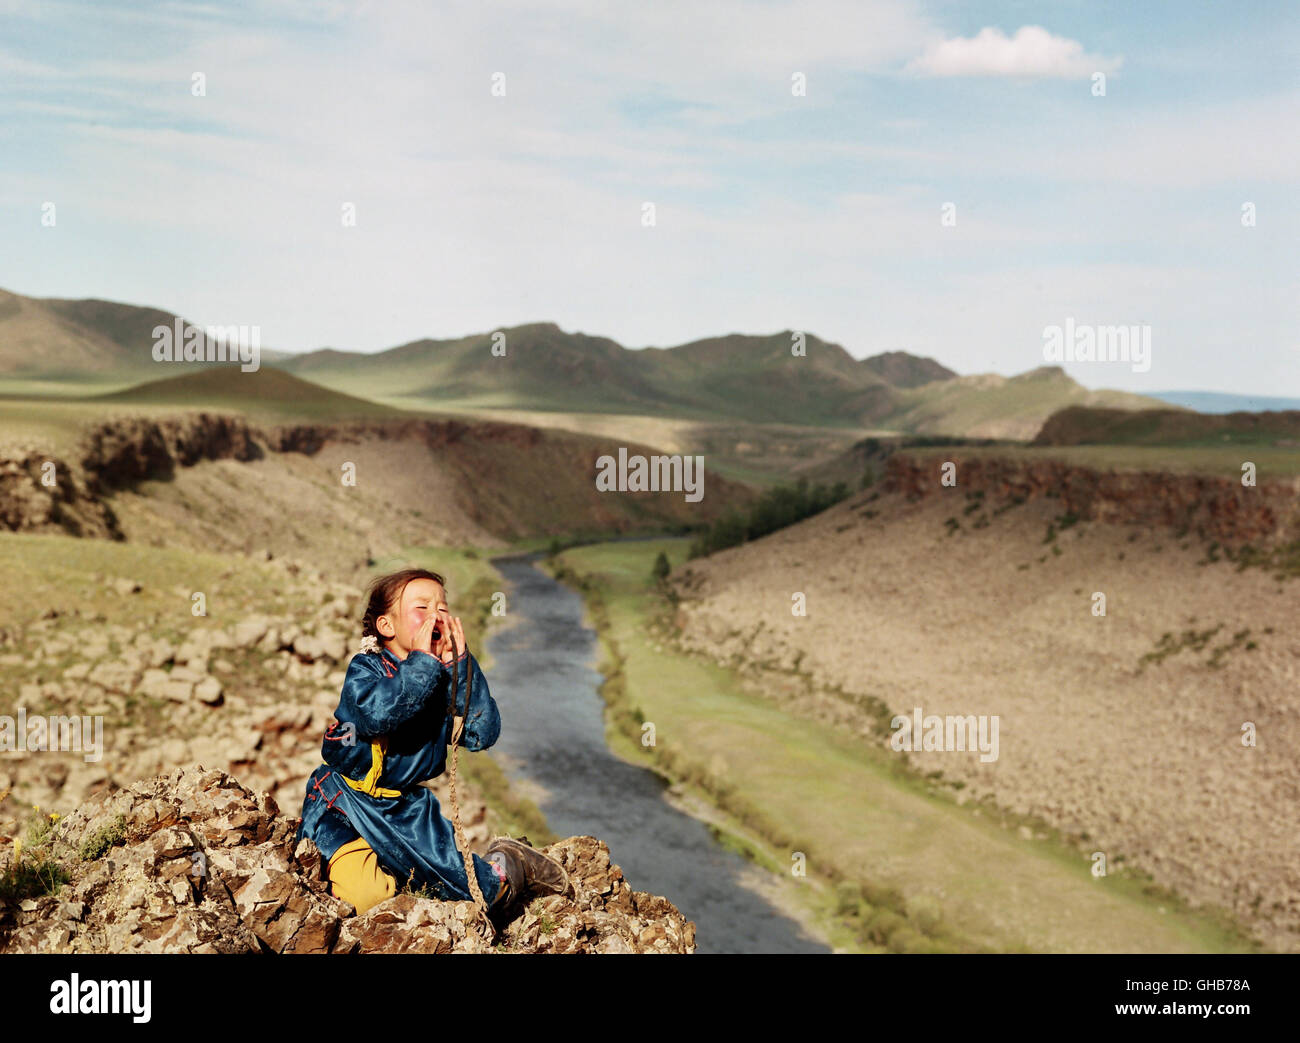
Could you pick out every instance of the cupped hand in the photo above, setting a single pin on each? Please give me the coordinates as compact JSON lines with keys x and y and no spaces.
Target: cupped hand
{"x":444,"y":649}
{"x":423,"y":640}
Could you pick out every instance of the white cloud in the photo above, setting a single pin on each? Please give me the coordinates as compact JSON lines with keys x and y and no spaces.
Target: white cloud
{"x":476,"y":211}
{"x":1032,"y":52}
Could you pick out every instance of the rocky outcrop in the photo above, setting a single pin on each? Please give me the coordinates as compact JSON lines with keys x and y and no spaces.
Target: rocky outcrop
{"x":249,"y":700}
{"x":42,"y":493}
{"x":505,"y":480}
{"x":435,"y":434}
{"x":191,"y":861}
{"x":1216,"y":508}
{"x":128,"y":450}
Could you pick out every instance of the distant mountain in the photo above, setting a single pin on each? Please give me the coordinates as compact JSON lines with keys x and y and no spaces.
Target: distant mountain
{"x":757,"y":378}
{"x":1217,"y":402}
{"x":906,"y":371}
{"x":738,"y":376}
{"x":754,"y":378}
{"x":54,"y":337}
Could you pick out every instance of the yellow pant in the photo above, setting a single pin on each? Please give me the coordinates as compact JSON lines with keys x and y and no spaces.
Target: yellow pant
{"x":355,"y":876}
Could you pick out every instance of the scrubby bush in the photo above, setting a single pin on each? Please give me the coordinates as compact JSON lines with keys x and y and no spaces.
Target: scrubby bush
{"x":775,"y":509}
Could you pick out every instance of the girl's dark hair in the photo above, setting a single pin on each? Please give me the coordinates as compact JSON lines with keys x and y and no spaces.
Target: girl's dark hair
{"x":383,"y":594}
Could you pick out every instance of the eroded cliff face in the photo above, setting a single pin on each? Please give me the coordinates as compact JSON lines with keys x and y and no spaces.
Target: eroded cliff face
{"x":123,"y":452}
{"x":475,"y":481}
{"x":191,"y":861}
{"x":1216,"y":508}
{"x":43,"y":493}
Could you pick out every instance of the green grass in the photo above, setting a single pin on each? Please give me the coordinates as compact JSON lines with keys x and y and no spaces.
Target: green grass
{"x":53,"y":574}
{"x":1282,"y":561}
{"x":98,"y":843}
{"x":893,"y":840}
{"x":1196,"y":641}
{"x":30,"y":877}
{"x":37,"y":870}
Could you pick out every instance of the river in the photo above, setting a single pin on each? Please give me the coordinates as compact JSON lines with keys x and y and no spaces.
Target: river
{"x":553,"y":736}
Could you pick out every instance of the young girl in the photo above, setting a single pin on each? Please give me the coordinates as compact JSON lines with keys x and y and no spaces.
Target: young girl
{"x":365,"y":809}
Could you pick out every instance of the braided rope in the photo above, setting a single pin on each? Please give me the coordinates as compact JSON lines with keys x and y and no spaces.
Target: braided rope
{"x":482,"y":922}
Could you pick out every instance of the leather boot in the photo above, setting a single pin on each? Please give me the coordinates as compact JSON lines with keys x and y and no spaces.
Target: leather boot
{"x":528,"y":872}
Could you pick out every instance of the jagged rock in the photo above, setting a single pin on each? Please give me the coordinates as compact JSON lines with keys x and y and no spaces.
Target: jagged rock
{"x":42,"y":493}
{"x":605,"y":915}
{"x":324,"y":644}
{"x":209,"y":691}
{"x":192,"y":861}
{"x":160,"y":685}
{"x":127,"y":450}
{"x":248,"y":632}
{"x":152,"y":651}
{"x":188,"y":673}
{"x":195,"y":650}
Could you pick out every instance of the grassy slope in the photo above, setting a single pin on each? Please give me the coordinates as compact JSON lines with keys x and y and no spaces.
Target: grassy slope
{"x":54,"y":414}
{"x":263,"y":391}
{"x":849,"y":809}
{"x":969,"y":404}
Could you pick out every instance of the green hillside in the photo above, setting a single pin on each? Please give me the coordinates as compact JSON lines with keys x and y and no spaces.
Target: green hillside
{"x":263,"y":391}
{"x":737,"y":378}
{"x":991,"y":406}
{"x":94,"y":345}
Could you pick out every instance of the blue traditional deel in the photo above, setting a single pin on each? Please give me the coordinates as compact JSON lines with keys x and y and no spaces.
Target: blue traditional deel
{"x":393,"y":727}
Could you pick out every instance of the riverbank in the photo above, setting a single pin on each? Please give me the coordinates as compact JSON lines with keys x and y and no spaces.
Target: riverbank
{"x":893,"y":862}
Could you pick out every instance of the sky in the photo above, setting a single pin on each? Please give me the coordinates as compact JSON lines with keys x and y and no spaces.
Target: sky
{"x":944,"y":178}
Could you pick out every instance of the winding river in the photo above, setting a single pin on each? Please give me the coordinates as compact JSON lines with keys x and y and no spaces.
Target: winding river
{"x":553,"y":737}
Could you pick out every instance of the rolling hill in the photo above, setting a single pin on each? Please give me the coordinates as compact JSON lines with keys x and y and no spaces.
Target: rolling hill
{"x":906,"y":371}
{"x":89,"y":339}
{"x":266,"y":390}
{"x":737,"y":378}
{"x":992,"y":406}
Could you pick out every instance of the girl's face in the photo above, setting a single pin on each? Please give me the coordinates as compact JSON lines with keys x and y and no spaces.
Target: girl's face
{"x":418,"y":600}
